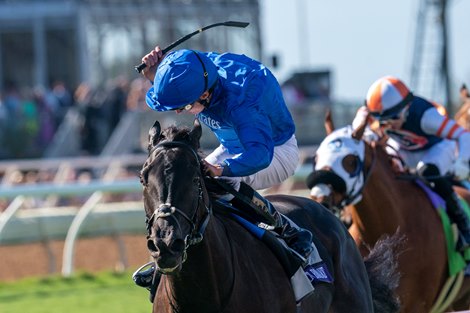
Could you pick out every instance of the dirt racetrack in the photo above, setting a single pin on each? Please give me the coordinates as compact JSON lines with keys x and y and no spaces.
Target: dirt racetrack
{"x":91,"y":255}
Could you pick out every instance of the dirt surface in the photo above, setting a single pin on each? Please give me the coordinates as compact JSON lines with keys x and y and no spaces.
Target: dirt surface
{"x":91,"y":255}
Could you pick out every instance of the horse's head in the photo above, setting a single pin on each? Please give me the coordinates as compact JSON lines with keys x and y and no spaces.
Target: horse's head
{"x":175,"y":199}
{"x":464,"y":94}
{"x":339,"y":175}
{"x":462,"y":117}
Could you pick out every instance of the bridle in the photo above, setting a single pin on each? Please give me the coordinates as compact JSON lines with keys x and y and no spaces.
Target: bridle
{"x":350,"y":197}
{"x":167,"y":210}
{"x":196,"y":234}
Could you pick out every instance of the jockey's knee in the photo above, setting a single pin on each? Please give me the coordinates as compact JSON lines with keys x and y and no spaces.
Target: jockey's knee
{"x":432,"y":174}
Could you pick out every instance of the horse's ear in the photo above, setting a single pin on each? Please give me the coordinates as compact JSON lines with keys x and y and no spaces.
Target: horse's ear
{"x":359,"y":131}
{"x":464,"y":95}
{"x":196,"y":133}
{"x":154,"y":135}
{"x":329,"y":125}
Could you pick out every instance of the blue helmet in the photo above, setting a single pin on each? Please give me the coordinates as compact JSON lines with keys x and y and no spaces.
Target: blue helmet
{"x":181,"y":78}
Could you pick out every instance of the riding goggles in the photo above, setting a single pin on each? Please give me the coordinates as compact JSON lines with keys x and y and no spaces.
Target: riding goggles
{"x":394,"y":117}
{"x":394,"y":113}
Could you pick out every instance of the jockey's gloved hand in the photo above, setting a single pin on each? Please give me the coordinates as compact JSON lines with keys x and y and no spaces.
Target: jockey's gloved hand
{"x":461,"y":169}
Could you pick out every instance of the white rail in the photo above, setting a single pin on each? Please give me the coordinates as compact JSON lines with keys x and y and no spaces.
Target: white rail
{"x":70,"y":189}
{"x":68,"y":262}
{"x":111,"y":166}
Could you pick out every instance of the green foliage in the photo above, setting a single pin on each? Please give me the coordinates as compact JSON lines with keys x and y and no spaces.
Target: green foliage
{"x":104,"y":292}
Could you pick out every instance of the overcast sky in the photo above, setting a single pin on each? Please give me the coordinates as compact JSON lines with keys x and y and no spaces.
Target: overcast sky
{"x":359,"y":41}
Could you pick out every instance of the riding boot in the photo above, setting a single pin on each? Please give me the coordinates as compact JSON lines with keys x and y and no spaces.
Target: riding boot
{"x":299,"y":239}
{"x":459,"y":217}
{"x":444,"y":188}
{"x":146,"y":277}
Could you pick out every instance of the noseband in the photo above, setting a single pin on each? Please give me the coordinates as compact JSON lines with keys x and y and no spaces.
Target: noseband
{"x":168,"y":210}
{"x":329,"y":177}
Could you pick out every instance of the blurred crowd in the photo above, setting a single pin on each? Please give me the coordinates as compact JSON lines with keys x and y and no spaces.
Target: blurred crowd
{"x":30,"y":117}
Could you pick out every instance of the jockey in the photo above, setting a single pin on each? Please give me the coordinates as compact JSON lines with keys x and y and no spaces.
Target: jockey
{"x":424,"y":137}
{"x":240,"y":100}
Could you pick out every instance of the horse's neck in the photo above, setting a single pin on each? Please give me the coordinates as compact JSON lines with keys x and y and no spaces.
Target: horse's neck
{"x":206,"y":278}
{"x":379,"y":210}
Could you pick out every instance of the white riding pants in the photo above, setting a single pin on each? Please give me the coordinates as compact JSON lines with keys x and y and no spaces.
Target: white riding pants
{"x":442,"y":154}
{"x":283,"y":165}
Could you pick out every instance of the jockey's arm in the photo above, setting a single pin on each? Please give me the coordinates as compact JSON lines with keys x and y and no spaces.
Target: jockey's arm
{"x":361,"y":115}
{"x":254,"y":135}
{"x":442,"y":126}
{"x":372,"y":131}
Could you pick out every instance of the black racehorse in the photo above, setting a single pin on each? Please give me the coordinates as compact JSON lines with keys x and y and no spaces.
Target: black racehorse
{"x":210,"y":263}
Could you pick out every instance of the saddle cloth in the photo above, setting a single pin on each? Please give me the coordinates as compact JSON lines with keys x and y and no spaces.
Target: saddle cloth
{"x":303,"y":276}
{"x":457,"y":261}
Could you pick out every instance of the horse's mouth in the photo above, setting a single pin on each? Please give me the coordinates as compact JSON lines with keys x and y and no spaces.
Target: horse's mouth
{"x":169,"y":264}
{"x":169,"y":270}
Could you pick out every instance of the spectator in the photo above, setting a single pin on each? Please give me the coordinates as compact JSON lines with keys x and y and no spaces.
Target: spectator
{"x":63,"y":100}
{"x":114,"y":105}
{"x":45,"y":117}
{"x":137,"y":94}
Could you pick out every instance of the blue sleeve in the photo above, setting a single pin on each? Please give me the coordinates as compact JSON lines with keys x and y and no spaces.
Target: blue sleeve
{"x":150,"y":98}
{"x":253,"y":128}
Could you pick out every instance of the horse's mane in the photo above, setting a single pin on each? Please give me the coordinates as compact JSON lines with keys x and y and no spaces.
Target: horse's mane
{"x":393,"y":163}
{"x":172,"y":133}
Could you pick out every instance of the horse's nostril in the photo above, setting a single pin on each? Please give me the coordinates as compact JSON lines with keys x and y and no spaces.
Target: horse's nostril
{"x":178,"y":245}
{"x":151,"y":246}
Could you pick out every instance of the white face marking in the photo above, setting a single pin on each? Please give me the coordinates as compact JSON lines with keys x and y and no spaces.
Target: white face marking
{"x":333,"y":149}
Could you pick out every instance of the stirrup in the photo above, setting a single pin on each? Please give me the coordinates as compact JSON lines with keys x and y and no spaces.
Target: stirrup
{"x":143,"y":276}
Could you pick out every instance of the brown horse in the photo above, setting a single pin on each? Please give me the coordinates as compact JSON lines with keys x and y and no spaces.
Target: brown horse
{"x":462,"y":117}
{"x":352,"y":171}
{"x":210,"y":263}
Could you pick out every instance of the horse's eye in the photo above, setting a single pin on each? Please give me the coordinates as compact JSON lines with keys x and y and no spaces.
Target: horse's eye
{"x":350,"y":163}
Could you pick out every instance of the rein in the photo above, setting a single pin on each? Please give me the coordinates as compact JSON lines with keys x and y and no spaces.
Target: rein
{"x":168,"y":210}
